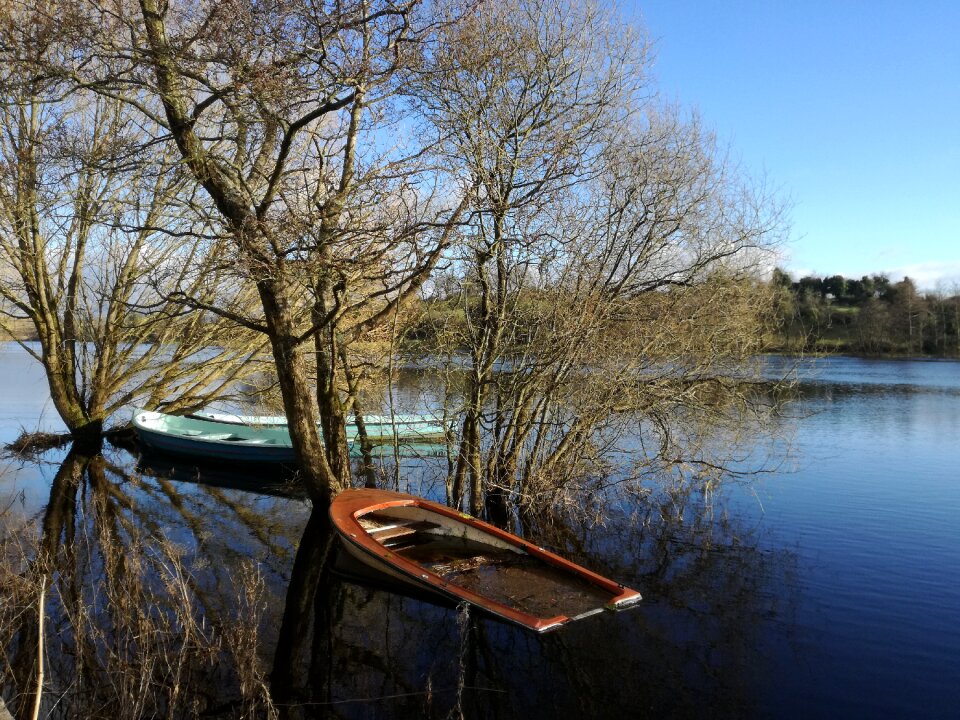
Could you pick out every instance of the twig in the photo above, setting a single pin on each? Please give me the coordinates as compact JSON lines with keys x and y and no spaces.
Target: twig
{"x":36,"y":701}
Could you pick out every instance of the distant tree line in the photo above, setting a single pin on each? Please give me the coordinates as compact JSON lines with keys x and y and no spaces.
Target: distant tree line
{"x":870,"y":315}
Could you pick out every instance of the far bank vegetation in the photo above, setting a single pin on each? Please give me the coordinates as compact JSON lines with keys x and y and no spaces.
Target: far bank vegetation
{"x":872,"y":315}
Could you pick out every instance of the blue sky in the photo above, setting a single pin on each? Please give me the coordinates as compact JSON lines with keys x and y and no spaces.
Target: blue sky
{"x":851,"y":107}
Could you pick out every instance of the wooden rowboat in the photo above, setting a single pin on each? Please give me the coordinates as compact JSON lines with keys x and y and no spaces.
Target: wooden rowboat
{"x":379,"y":427}
{"x":442,"y":551}
{"x":239,"y":443}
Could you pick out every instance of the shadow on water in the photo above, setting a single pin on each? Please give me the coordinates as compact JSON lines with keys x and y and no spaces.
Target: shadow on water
{"x":169,"y":596}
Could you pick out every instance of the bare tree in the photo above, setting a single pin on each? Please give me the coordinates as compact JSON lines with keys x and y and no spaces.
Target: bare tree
{"x":269,"y":106}
{"x":523,"y":93}
{"x":606,"y":268}
{"x":88,"y":214}
{"x":573,"y":199}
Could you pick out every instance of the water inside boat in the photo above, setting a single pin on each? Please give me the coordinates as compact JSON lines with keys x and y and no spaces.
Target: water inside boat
{"x":512,"y":578}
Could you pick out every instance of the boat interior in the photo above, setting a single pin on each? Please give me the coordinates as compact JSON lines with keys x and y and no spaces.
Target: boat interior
{"x":482,"y":563}
{"x":228,"y":437}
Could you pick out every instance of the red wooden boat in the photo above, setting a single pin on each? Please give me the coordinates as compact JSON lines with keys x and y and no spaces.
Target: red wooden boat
{"x":446,"y":552}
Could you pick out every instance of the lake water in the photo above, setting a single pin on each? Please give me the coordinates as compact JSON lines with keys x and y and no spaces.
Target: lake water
{"x":828,"y":588}
{"x":872,"y":516}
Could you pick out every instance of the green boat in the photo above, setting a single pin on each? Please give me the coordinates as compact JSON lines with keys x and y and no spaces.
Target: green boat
{"x":243,"y":443}
{"x":378,"y":427}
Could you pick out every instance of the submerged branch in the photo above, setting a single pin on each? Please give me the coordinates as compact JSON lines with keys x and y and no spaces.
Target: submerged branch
{"x":33,"y":443}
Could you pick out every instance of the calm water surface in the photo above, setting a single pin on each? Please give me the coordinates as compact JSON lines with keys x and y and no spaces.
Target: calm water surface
{"x":872,"y":513}
{"x":830,"y":588}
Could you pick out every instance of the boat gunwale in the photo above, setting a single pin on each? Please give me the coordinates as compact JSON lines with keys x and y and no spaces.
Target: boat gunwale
{"x":350,"y":505}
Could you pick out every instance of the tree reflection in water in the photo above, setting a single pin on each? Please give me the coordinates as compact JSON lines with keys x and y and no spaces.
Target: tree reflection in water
{"x":695,"y":644}
{"x":178,"y":599}
{"x":157,"y":595}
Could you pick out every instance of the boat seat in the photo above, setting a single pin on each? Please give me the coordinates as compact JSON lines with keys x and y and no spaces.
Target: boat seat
{"x":395,"y":534}
{"x":400,"y":529}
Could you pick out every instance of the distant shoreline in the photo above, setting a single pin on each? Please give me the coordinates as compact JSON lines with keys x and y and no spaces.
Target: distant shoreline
{"x":23,"y":331}
{"x":860,"y":355}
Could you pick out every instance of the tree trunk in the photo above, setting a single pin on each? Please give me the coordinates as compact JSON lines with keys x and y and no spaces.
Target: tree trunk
{"x":332,"y":416}
{"x":84,"y":426}
{"x":289,"y":357}
{"x":366,"y":447}
{"x":468,"y":468}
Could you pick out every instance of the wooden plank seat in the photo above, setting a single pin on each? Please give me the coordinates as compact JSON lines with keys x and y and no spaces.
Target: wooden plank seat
{"x":393,"y":531}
